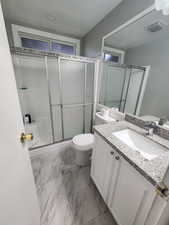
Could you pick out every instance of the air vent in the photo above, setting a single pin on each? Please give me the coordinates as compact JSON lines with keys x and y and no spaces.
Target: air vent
{"x":155,"y":27}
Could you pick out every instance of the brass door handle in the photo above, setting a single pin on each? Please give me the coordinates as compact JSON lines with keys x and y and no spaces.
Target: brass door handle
{"x":26,"y":137}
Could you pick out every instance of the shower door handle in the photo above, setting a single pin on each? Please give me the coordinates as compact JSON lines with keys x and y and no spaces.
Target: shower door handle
{"x":26,"y":137}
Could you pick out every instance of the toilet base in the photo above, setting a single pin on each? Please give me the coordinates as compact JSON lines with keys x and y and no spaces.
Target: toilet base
{"x":83,"y":158}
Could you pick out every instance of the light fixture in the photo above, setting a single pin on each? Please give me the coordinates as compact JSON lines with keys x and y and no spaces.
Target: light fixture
{"x":155,"y":27}
{"x":162,"y":5}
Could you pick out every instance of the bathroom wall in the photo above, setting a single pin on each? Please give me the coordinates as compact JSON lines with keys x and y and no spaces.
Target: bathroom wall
{"x":155,"y":54}
{"x":125,"y":11}
{"x":9,"y":32}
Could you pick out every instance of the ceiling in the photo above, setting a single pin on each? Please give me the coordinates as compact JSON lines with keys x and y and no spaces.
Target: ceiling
{"x":72,"y":17}
{"x":136,"y":34}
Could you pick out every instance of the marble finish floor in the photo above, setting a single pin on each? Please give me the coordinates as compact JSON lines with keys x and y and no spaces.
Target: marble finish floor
{"x":66,"y":193}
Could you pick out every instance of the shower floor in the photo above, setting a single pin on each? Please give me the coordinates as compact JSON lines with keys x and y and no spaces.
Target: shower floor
{"x":66,"y":193}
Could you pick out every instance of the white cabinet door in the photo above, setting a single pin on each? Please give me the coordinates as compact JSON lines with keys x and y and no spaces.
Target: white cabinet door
{"x":132,"y":196}
{"x":102,"y":165}
{"x":113,"y":178}
{"x":109,"y":171}
{"x":98,"y":163}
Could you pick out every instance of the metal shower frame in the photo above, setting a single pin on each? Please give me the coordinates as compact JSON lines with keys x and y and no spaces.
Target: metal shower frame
{"x":59,"y":57}
{"x":128,"y":84}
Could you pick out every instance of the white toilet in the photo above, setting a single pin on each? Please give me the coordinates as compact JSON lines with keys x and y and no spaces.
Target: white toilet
{"x":83,"y":143}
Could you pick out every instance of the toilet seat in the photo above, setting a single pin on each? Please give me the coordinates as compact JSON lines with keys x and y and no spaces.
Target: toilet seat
{"x":83,"y":142}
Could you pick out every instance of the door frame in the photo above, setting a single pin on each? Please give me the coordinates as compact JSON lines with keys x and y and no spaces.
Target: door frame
{"x":142,"y":91}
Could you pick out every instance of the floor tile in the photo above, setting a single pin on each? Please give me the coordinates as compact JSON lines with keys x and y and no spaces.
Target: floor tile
{"x":103,"y":219}
{"x":66,"y":193}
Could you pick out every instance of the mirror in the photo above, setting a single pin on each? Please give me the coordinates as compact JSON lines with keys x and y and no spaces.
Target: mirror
{"x":135,"y":68}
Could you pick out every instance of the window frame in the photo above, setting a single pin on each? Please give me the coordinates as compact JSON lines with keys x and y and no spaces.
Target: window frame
{"x":21,"y":31}
{"x":116,"y":52}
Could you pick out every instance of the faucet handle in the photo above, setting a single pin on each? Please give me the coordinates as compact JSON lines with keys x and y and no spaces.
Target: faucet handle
{"x":162,"y":121}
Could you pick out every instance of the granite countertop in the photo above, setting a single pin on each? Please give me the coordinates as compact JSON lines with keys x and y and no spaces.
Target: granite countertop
{"x":153,"y":170}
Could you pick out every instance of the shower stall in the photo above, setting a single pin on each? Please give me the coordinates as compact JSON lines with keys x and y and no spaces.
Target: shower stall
{"x":57,"y":92}
{"x":121,"y":86}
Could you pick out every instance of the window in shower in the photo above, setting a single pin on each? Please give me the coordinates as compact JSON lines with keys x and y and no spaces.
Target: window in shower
{"x":35,"y":44}
{"x":44,"y":41}
{"x":113,"y":55}
{"x":109,"y":57}
{"x":62,"y":48}
{"x":47,"y":46}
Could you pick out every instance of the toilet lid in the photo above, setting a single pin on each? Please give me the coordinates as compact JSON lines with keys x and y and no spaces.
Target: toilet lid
{"x":84,"y":141}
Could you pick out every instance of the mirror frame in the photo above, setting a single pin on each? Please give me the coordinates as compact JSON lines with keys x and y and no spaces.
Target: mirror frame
{"x":117,"y":29}
{"x":126,"y":24}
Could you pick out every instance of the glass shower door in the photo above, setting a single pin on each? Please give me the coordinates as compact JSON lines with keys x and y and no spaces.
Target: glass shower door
{"x":77,"y":96}
{"x":32,"y":87}
{"x":73,"y":78}
{"x":56,"y":95}
{"x":114,"y":78}
{"x":134,"y":90}
{"x":54,"y":86}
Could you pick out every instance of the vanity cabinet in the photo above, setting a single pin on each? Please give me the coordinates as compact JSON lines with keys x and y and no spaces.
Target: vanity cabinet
{"x":126,"y":192}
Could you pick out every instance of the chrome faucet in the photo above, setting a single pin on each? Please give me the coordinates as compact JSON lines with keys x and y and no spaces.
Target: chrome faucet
{"x":150,"y":126}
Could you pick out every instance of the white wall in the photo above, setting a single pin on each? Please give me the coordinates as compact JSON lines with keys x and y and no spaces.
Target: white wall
{"x":155,"y":54}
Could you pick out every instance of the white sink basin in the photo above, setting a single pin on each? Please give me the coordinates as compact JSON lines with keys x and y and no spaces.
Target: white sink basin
{"x":147,"y":148}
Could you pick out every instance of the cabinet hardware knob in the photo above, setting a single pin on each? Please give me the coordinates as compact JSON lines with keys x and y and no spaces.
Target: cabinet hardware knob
{"x":117,"y":157}
{"x":112,"y":153}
